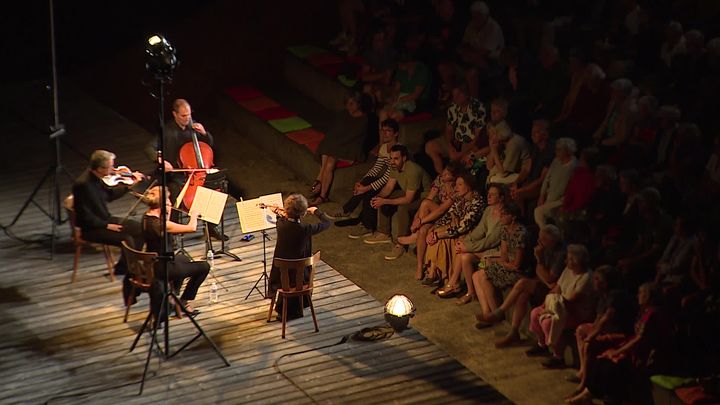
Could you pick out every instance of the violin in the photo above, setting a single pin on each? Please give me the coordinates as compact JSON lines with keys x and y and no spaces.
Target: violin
{"x":194,"y":155}
{"x":119,"y":175}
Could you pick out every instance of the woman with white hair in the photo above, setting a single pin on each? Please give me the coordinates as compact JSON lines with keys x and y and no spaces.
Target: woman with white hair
{"x":294,"y":241}
{"x":556,"y":180}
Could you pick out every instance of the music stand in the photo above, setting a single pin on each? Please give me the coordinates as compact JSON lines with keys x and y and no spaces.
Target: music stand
{"x":254,"y":217}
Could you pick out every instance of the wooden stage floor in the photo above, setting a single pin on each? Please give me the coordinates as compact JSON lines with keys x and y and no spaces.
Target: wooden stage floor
{"x":66,"y":343}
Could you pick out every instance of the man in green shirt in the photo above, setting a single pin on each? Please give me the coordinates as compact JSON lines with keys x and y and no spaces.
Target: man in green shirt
{"x":400,"y":197}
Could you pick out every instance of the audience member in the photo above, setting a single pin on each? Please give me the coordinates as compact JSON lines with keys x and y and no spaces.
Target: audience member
{"x":556,"y":180}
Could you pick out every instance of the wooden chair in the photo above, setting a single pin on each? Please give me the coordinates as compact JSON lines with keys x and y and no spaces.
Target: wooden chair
{"x":297,"y":288}
{"x":141,"y":269}
{"x":79,"y":242}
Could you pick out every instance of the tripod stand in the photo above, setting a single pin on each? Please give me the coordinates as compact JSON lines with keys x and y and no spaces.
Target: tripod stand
{"x":264,"y":275}
{"x":162,"y":62}
{"x":56,"y":167}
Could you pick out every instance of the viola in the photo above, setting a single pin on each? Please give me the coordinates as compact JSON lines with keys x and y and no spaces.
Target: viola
{"x":194,"y":155}
{"x":119,"y":175}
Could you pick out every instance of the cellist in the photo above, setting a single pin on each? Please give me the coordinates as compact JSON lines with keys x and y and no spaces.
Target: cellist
{"x":177,"y":133}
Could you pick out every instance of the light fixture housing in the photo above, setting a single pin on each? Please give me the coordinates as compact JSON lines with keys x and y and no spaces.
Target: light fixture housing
{"x":398,"y":311}
{"x":162,"y":59}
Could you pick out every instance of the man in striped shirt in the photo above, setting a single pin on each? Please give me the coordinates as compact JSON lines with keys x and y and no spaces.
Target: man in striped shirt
{"x":371,"y":183}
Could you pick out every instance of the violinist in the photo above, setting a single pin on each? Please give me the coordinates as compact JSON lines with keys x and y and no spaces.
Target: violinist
{"x":178,"y":133}
{"x":91,"y":195}
{"x":294,"y":241}
{"x":181,"y":267}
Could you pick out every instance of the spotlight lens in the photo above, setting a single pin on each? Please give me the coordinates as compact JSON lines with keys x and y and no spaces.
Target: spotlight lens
{"x":154,"y":40}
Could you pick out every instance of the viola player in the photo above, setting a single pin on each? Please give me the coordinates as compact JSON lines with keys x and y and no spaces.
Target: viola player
{"x":91,"y":195}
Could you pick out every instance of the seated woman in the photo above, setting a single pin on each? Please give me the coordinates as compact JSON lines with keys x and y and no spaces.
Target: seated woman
{"x":501,"y":272}
{"x":480,"y":242}
{"x":613,"y":321}
{"x":576,"y":299}
{"x":462,"y":217}
{"x":294,"y":241}
{"x":622,"y":372}
{"x":411,"y":91}
{"x":431,"y":208}
{"x":344,"y":141}
{"x":181,"y":267}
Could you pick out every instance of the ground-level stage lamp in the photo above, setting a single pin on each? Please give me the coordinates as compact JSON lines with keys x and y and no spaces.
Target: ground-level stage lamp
{"x":398,"y":311}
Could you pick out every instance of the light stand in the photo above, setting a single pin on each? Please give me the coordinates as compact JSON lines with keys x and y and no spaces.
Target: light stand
{"x":162,"y":62}
{"x":56,"y":167}
{"x":263,"y":277}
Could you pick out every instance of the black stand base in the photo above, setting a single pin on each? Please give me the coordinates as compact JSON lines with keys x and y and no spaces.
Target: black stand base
{"x":54,"y":213}
{"x":164,"y":309}
{"x":264,"y":276}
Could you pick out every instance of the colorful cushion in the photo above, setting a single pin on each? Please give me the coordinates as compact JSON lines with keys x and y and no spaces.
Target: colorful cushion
{"x":343,"y":163}
{"x":290,"y":124}
{"x":320,"y":59}
{"x":303,"y":51}
{"x":275,"y":113}
{"x":241,"y":93}
{"x":670,"y":382}
{"x":346,"y":81}
{"x":313,"y":146}
{"x":306,"y":136}
{"x":331,"y":70}
{"x":695,"y":396}
{"x":419,"y":117}
{"x":258,"y":104}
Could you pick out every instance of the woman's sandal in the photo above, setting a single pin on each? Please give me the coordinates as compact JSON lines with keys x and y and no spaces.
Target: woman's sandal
{"x":315,"y":188}
{"x":448,"y":291}
{"x":465,"y":299}
{"x":317,"y":201}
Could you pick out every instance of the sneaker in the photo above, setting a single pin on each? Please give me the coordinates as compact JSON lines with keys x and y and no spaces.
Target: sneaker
{"x":339,"y":215}
{"x":377,"y":238}
{"x":395,"y":253}
{"x":536,"y":351}
{"x":553,"y":362}
{"x":359,"y":232}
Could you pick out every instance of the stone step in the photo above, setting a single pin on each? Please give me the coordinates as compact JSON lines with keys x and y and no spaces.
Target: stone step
{"x":294,"y":149}
{"x":319,"y":74}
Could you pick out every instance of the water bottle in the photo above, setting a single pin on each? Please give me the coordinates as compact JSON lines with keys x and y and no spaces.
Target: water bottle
{"x":210,"y":257}
{"x":213,"y":293}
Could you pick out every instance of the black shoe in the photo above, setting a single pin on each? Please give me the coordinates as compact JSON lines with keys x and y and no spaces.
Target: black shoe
{"x":215,"y":233}
{"x":537,"y":351}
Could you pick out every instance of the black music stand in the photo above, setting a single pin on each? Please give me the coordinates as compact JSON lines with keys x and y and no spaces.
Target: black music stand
{"x":162,"y":62}
{"x":222,"y":250}
{"x":264,"y":276}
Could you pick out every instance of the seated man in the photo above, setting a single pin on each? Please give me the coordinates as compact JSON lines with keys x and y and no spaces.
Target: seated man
{"x":542,"y":153}
{"x":556,"y":180}
{"x":91,"y":195}
{"x":413,"y":184}
{"x":465,"y":120}
{"x":509,"y":159}
{"x":378,"y":65}
{"x":550,"y":262}
{"x":371,"y":183}
{"x":481,"y":44}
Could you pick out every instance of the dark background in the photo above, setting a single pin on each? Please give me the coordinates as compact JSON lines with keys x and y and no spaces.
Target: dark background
{"x":100,"y":46}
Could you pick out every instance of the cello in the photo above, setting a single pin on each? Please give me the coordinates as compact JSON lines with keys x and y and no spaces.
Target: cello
{"x":194,"y":155}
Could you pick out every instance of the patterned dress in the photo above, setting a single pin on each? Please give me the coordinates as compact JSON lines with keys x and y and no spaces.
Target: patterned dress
{"x":461,"y":218}
{"x":500,"y":276}
{"x":465,"y":121}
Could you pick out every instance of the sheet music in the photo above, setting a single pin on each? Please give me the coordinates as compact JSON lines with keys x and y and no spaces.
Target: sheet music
{"x":253,"y":218}
{"x":210,"y":204}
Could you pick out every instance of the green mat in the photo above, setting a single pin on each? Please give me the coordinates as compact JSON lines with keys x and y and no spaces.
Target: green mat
{"x":347,"y":82}
{"x":286,"y":125}
{"x":303,"y":51}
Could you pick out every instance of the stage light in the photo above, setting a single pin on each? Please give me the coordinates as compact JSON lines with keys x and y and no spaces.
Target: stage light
{"x":398,"y":311}
{"x":161,"y":57}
